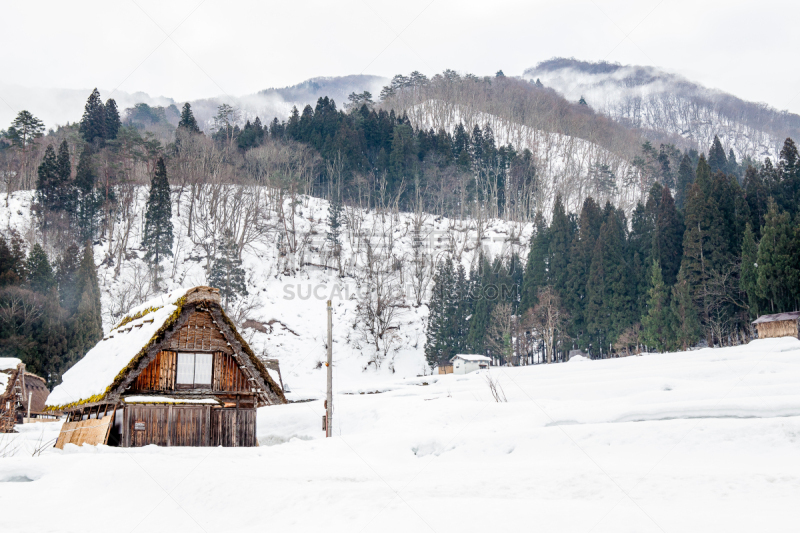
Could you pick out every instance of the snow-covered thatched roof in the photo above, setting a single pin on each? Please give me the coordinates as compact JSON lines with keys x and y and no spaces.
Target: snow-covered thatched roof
{"x":91,"y":377}
{"x":6,"y":364}
{"x":9,"y":363}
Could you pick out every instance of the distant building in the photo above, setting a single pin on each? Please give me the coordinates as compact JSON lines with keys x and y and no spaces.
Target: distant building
{"x":174,"y":372}
{"x":580,"y":353}
{"x":20,"y":393}
{"x":466,"y":363}
{"x":778,"y":325}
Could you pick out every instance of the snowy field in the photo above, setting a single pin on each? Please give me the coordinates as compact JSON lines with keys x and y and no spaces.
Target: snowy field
{"x":703,"y":441}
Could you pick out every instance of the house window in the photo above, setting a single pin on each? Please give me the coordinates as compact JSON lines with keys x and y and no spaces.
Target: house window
{"x":194,"y":370}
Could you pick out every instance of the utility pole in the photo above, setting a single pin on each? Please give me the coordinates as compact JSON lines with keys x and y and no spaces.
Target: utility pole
{"x":329,"y":364}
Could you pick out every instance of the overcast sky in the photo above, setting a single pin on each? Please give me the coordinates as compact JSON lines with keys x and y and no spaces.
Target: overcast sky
{"x":194,"y":49}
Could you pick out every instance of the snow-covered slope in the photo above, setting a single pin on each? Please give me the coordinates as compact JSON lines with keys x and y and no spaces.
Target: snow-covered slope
{"x":701,"y":441}
{"x":651,"y":99}
{"x":288,"y":290}
{"x":565,"y":165}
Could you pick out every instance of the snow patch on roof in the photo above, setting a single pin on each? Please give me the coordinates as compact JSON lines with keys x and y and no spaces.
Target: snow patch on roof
{"x":778,"y":317}
{"x":9,"y":363}
{"x":169,"y":399}
{"x":93,"y":374}
{"x":470,"y":357}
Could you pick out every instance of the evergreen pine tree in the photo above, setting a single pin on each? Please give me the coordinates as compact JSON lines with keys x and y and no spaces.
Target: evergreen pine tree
{"x":581,"y":251}
{"x":87,"y":322}
{"x":609,"y":307}
{"x":12,"y":259}
{"x":716,"y":157}
{"x":640,"y":244}
{"x":787,"y":194}
{"x":47,"y":179}
{"x":39,"y":272}
{"x":63,"y":191}
{"x":535,"y":275}
{"x":87,"y":200}
{"x":227,"y":273}
{"x":756,"y":194}
{"x":24,"y":130}
{"x":685,"y":180}
{"x":657,"y":323}
{"x":188,"y":121}
{"x":668,"y":237}
{"x":112,"y":121}
{"x":686,"y":323}
{"x":462,"y":309}
{"x":703,"y":175}
{"x":733,"y":166}
{"x":705,"y":243}
{"x":748,"y":281}
{"x":438,"y":344}
{"x":481,"y":308}
{"x":66,"y":272}
{"x":775,"y":260}
{"x":93,"y":122}
{"x":158,"y":237}
{"x":560,"y":236}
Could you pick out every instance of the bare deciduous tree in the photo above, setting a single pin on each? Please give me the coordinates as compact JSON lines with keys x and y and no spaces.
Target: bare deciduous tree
{"x":549,"y":318}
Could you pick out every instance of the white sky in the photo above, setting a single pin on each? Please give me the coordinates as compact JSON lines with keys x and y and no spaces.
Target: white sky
{"x":193,"y":49}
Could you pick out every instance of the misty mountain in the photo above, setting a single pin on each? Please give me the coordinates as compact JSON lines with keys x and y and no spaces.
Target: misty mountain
{"x":278,"y":102}
{"x":57,"y":106}
{"x":665,"y":104}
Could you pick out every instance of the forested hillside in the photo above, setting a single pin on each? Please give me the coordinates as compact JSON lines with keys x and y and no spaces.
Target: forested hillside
{"x":487,"y":215}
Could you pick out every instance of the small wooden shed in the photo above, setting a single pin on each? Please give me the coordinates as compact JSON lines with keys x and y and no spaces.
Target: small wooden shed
{"x":466,"y":363}
{"x":21,"y":393}
{"x":173,"y":372}
{"x":778,"y":325}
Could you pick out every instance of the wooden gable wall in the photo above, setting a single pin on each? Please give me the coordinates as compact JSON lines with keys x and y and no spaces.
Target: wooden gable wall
{"x":199,"y":333}
{"x":160,"y":375}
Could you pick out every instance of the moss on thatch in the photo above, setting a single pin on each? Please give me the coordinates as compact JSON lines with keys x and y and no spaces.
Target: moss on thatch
{"x":134,"y":361}
{"x":128,"y":319}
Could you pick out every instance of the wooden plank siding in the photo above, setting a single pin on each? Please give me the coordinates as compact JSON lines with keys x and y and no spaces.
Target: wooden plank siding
{"x":179,"y":425}
{"x":233,"y":427}
{"x":227,"y":374}
{"x":159,"y":374}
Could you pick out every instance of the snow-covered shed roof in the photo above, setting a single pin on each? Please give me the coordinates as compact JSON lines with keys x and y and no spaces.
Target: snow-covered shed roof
{"x":471,"y":358}
{"x":107,"y":364}
{"x":778,"y":317}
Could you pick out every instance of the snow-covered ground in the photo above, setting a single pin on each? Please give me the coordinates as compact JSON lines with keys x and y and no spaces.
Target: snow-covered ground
{"x":706,"y":440}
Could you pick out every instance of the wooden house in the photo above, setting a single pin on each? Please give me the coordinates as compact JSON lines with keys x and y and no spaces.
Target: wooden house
{"x":778,"y":325}
{"x":173,"y":372}
{"x":22,"y":394}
